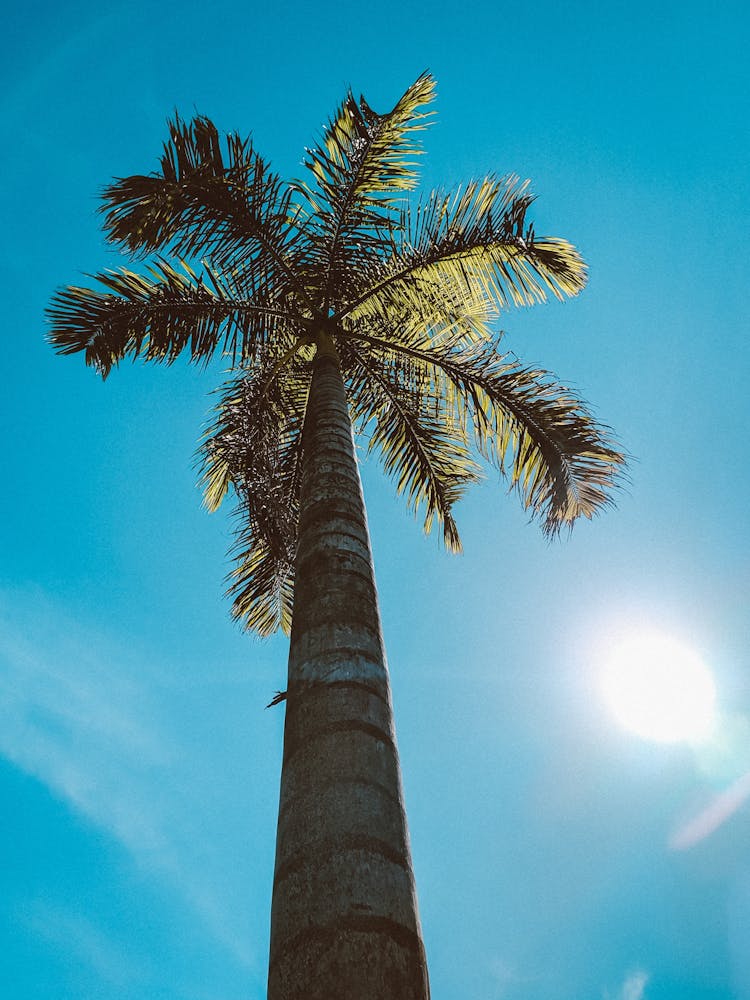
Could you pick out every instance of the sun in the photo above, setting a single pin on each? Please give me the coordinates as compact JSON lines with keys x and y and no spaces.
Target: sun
{"x":659,"y":689}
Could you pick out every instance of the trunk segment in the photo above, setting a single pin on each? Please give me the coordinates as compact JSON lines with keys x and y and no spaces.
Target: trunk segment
{"x":344,"y":921}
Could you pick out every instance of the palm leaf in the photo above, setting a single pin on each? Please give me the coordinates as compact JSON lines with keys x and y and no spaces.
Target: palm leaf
{"x":228,"y":206}
{"x":262,"y":585}
{"x":164,"y":312}
{"x":362,"y":164}
{"x":473,"y":247}
{"x":561,"y":462}
{"x":421,"y":447}
{"x":365,"y":159}
{"x":255,"y":448}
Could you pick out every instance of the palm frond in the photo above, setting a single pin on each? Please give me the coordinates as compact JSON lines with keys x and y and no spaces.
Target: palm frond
{"x":361,"y":166}
{"x":563,"y":464}
{"x":242,"y":264}
{"x":367,"y":159}
{"x":422,"y":447}
{"x":160,"y":314}
{"x":473,"y":246}
{"x":262,"y":585}
{"x":255,"y":447}
{"x":228,"y":206}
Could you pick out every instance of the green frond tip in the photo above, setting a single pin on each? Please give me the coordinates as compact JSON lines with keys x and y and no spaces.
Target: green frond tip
{"x":262,"y":591}
{"x":562,"y":464}
{"x":372,"y":152}
{"x":196,"y":180}
{"x":468,"y":252}
{"x":254,"y":447}
{"x":168,"y":310}
{"x":215,"y":482}
{"x":421,"y":446}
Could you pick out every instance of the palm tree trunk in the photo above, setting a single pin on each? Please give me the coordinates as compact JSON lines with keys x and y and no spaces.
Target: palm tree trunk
{"x":344,"y":922}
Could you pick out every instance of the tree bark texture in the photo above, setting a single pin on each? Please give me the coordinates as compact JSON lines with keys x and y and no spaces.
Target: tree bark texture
{"x":344,"y":921}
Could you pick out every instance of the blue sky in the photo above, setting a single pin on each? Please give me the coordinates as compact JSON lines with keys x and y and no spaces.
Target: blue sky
{"x":138,"y":768}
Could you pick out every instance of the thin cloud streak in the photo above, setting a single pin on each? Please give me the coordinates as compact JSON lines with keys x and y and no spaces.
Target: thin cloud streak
{"x":76,"y":714}
{"x":75,"y":936}
{"x":633,"y":988}
{"x":505,"y":976}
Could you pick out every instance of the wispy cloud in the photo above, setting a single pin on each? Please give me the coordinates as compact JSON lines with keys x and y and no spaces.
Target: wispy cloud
{"x":77,"y":937}
{"x":87,"y":717}
{"x":632,"y":988}
{"x":505,"y":976}
{"x":72,"y":715}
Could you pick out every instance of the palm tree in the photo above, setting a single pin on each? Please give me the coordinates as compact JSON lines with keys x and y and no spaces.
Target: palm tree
{"x":337,"y":304}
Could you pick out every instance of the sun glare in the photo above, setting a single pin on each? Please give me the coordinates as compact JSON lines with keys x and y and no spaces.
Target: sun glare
{"x":659,"y":689}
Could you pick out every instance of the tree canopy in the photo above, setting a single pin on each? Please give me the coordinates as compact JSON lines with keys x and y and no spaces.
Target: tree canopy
{"x":239,"y":264}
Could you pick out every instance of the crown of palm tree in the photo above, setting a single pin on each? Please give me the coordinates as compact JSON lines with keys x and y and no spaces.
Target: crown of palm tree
{"x":265,"y":273}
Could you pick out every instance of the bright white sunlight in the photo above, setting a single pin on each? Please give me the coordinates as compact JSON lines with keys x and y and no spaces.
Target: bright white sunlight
{"x":659,"y":689}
